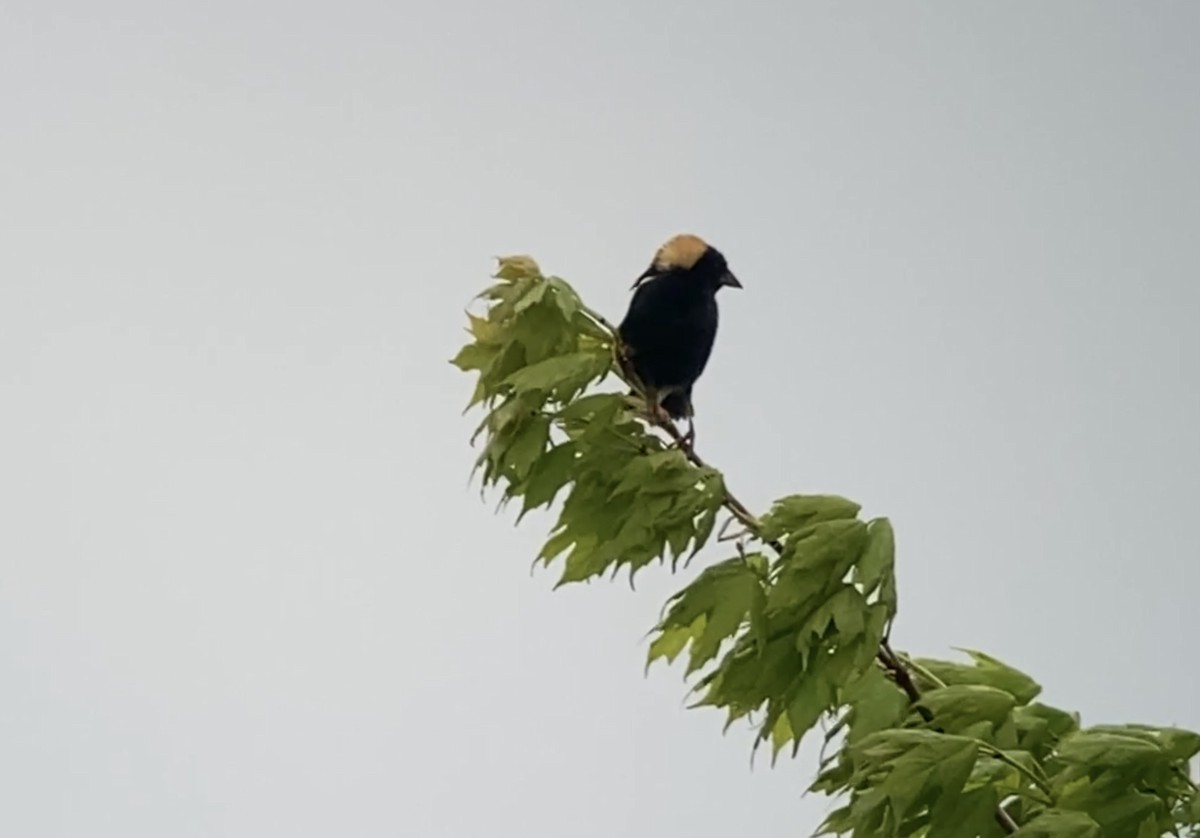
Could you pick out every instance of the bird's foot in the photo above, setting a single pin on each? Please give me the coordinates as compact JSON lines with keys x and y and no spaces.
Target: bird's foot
{"x":689,"y":438}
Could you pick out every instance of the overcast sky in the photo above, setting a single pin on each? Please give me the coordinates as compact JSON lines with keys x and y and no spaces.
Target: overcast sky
{"x":245,"y":587}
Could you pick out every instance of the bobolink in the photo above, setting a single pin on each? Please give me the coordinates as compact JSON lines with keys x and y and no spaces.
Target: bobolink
{"x":671,"y":324}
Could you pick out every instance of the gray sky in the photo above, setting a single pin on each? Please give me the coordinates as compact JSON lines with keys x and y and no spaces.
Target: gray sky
{"x":245,"y":589}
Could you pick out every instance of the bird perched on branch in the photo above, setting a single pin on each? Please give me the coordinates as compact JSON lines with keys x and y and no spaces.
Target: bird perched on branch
{"x":671,"y":324}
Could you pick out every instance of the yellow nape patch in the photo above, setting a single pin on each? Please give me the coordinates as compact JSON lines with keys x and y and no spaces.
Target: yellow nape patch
{"x":682,"y":251}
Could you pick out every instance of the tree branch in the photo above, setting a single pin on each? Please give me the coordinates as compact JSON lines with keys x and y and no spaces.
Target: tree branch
{"x":886,"y":656}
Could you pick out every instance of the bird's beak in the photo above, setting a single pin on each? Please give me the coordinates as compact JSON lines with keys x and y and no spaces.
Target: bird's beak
{"x":730,"y":280}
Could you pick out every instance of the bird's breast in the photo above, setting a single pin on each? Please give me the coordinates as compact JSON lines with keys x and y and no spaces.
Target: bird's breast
{"x":670,"y":333}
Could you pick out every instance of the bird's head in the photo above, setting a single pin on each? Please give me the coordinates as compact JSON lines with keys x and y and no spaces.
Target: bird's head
{"x":695,"y":257}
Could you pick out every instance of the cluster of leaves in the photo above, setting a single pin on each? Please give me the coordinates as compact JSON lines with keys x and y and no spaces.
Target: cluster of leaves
{"x":791,"y":628}
{"x":977,"y":744}
{"x":805,"y":626}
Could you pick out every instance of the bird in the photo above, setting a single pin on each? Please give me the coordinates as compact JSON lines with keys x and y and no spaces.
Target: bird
{"x":669,"y":329}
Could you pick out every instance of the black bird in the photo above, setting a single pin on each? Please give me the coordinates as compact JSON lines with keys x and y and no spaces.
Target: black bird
{"x":671,"y":324}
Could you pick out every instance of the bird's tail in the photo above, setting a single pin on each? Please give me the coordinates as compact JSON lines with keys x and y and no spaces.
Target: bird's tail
{"x":678,"y":404}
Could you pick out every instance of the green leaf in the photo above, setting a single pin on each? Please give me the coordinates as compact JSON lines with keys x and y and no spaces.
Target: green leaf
{"x":550,"y":473}
{"x":839,"y":822}
{"x":528,"y":446}
{"x":485,"y":331}
{"x":751,"y":674}
{"x":817,"y":562}
{"x":658,"y":473}
{"x":584,"y":560}
{"x":972,"y":813}
{"x":960,"y":707}
{"x":556,"y":544}
{"x":1040,"y":727}
{"x":704,"y":528}
{"x":1108,"y":750}
{"x":781,"y":734}
{"x":600,"y":408}
{"x":812,"y":696}
{"x":1092,"y":770}
{"x":987,"y":671}
{"x":795,"y":592}
{"x":913,"y":768}
{"x":1055,"y":823}
{"x":1130,"y":814}
{"x":845,"y":610}
{"x":508,"y":359}
{"x":589,"y":328}
{"x":946,"y":763}
{"x":547,"y":374}
{"x":796,"y":512}
{"x":532,"y":297}
{"x":724,"y":594}
{"x":671,"y":641}
{"x":1176,"y":743}
{"x":475,"y":356}
{"x":877,"y":620}
{"x":517,"y":267}
{"x":678,"y":537}
{"x":875,"y":704}
{"x":564,"y":297}
{"x":1189,"y":813}
{"x":848,"y":610}
{"x":878,"y":558}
